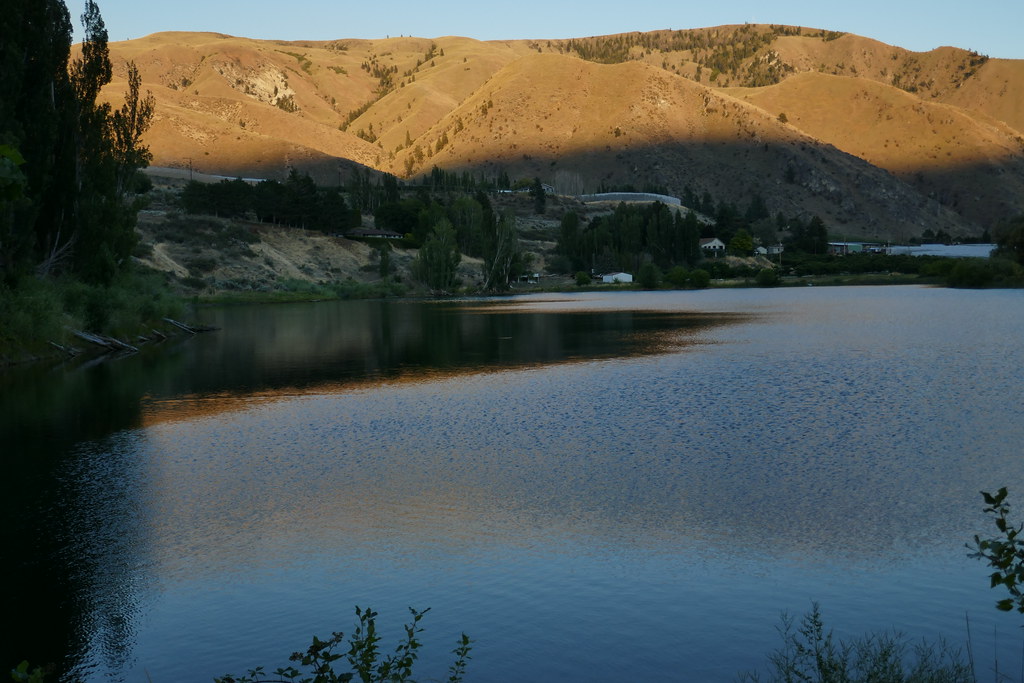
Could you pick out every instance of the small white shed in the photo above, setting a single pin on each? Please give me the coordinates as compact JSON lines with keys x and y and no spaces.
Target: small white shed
{"x":616,"y":278}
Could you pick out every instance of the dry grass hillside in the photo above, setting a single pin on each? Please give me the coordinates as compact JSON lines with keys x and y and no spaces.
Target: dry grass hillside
{"x":938,"y":149}
{"x":879,"y":141}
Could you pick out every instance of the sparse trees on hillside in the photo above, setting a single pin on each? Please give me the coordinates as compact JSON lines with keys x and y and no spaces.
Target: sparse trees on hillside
{"x":628,"y":237}
{"x":297,"y":202}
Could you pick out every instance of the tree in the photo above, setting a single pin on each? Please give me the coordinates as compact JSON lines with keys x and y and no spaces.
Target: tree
{"x":677,"y":277}
{"x":1010,"y":238}
{"x":539,"y":196}
{"x":384,"y":253}
{"x":649,"y":277}
{"x":81,"y":157}
{"x":401,"y":217}
{"x":439,"y":257}
{"x":128,"y":125}
{"x":700,"y":278}
{"x":503,"y":258}
{"x":467,"y":216}
{"x":96,"y":208}
{"x":36,"y":119}
{"x":568,"y":235}
{"x":811,"y":238}
{"x":689,"y":238}
{"x":742,"y":244}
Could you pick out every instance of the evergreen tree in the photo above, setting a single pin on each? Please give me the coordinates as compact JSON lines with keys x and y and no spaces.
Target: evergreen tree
{"x":568,"y":238}
{"x":689,"y":239}
{"x":811,"y":238}
{"x":539,"y":196}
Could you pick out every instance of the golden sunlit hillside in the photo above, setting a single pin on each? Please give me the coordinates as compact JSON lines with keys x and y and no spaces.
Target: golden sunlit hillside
{"x":879,"y":141}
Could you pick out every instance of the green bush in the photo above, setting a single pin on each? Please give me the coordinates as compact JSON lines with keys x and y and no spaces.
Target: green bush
{"x":37,"y":311}
{"x":979,"y":273}
{"x":970,"y":273}
{"x":699,"y":278}
{"x":767,"y":277}
{"x":936,"y":268}
{"x":363,"y":657}
{"x":677,"y":276}
{"x":649,"y":277}
{"x":582,"y":279}
{"x":30,"y":313}
{"x":717,"y":269}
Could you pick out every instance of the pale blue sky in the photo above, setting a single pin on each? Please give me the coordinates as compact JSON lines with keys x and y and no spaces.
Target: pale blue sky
{"x":992,"y":27}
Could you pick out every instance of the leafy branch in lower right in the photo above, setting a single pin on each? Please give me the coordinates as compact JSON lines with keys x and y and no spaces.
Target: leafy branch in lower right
{"x":1005,"y":553}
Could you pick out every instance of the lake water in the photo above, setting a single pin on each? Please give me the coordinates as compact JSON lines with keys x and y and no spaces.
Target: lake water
{"x":599,"y":487}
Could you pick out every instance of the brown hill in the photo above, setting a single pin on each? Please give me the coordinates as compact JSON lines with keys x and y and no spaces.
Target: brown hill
{"x":965,"y":161}
{"x":880,"y":141}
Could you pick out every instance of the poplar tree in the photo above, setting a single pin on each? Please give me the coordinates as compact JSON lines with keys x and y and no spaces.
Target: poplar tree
{"x":439,"y":258}
{"x":76,"y":212}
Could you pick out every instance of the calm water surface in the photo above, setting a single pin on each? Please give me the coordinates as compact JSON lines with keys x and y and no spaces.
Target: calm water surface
{"x":628,"y":486}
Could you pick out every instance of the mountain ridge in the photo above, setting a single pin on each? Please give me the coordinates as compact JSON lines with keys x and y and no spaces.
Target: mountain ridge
{"x":880,"y":141}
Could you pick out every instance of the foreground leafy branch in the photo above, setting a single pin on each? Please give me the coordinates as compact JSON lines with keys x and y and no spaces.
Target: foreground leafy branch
{"x":1004,"y":553}
{"x":317,"y":663}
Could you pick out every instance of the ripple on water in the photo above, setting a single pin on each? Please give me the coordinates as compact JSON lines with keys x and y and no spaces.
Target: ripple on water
{"x":592,"y":515}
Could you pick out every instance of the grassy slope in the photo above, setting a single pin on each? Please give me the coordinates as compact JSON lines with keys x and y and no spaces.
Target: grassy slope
{"x":956,"y":138}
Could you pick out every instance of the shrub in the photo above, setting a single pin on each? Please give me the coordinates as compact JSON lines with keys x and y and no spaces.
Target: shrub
{"x":29,"y":313}
{"x":582,"y":279}
{"x":677,"y":276}
{"x":767,"y":277}
{"x":970,"y":273}
{"x":699,"y":278}
{"x":363,"y":657}
{"x":811,"y":653}
{"x":649,"y":277}
{"x":718,"y":269}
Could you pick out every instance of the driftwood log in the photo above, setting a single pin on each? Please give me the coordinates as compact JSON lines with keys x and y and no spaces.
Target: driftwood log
{"x":191,"y":329}
{"x":111,"y":344}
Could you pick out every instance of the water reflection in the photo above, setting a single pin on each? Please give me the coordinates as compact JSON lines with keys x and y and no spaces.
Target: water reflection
{"x":76,"y":515}
{"x":649,"y":462}
{"x":263,"y":353}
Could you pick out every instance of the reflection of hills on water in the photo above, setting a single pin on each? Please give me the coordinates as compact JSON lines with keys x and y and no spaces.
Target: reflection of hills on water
{"x":262,"y":353}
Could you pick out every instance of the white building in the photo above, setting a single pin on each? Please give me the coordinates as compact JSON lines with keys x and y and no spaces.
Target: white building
{"x":713,"y":246}
{"x":616,"y":278}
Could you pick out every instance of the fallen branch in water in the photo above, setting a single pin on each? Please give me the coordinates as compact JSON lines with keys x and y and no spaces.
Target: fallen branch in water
{"x":103,"y":341}
{"x":69,"y":350}
{"x":191,"y":329}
